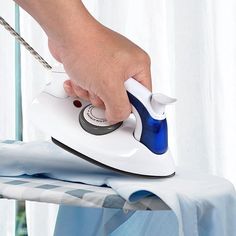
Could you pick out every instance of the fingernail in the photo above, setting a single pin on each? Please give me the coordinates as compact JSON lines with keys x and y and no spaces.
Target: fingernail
{"x":68,"y":89}
{"x":66,"y":86}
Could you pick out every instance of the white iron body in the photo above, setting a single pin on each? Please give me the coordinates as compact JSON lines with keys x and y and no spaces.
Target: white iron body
{"x":55,"y":113}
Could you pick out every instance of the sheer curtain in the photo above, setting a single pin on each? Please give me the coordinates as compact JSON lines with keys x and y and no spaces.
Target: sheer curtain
{"x":205,"y":72}
{"x":192,"y":44}
{"x":40,"y":216}
{"x":7,"y":106}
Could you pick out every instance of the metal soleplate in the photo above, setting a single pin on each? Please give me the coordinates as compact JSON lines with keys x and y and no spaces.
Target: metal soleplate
{"x":65,"y":147}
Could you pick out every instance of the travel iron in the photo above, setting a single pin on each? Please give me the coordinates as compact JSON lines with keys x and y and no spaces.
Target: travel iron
{"x":137,"y":146}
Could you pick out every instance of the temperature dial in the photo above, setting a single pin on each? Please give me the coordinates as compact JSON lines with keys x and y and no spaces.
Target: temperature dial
{"x":93,"y":120}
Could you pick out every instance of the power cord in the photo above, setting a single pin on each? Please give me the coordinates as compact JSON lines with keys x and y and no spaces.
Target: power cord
{"x":24,"y":43}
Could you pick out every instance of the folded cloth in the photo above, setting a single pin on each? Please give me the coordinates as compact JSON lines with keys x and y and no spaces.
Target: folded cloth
{"x":204,"y":204}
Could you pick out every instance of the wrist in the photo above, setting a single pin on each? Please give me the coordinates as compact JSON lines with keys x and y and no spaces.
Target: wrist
{"x":75,"y":32}
{"x":61,"y":20}
{"x":75,"y":42}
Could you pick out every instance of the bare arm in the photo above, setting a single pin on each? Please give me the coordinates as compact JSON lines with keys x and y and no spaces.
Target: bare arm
{"x":97,"y":59}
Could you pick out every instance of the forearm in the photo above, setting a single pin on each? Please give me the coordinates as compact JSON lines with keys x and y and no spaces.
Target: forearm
{"x":61,"y":20}
{"x":96,"y":59}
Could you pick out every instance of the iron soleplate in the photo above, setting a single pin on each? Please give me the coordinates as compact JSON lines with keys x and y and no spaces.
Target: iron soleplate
{"x":65,"y":147}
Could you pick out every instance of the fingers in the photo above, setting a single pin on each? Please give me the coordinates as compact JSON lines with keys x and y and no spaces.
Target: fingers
{"x":95,"y":100}
{"x":76,"y":91}
{"x":80,"y":92}
{"x":114,"y":98}
{"x":144,"y":77}
{"x":117,"y":104}
{"x":68,"y":88}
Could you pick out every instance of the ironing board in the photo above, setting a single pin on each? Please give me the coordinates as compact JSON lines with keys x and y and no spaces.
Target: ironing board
{"x":41,"y":189}
{"x":42,"y":172}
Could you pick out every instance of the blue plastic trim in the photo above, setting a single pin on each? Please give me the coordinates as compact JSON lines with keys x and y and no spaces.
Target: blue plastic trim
{"x":154,"y":132}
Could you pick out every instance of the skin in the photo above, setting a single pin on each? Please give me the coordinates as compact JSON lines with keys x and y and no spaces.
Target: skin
{"x":97,"y":59}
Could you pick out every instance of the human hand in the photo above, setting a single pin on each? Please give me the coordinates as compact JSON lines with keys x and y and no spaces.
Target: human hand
{"x":97,"y":59}
{"x":98,"y":65}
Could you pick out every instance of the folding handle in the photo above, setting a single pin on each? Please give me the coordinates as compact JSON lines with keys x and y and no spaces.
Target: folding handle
{"x":149,"y":111}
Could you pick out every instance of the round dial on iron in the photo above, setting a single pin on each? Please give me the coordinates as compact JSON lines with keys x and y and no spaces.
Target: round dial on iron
{"x":92,"y":119}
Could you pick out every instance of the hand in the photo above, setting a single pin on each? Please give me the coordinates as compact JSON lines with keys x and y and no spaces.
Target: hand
{"x":97,"y":59}
{"x":98,"y":65}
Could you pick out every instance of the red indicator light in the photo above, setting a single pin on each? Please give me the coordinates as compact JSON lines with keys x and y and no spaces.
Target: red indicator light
{"x":77,"y":103}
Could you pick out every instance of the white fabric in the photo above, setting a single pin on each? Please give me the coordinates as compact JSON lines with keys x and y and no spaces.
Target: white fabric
{"x":205,"y":85}
{"x":7,"y":74}
{"x":203,"y":204}
{"x":40,"y":217}
{"x":192,"y":47}
{"x":7,"y":105}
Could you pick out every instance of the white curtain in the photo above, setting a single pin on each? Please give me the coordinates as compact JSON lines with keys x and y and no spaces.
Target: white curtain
{"x":205,"y":84}
{"x":192,"y":44}
{"x":40,"y":217}
{"x":7,"y":106}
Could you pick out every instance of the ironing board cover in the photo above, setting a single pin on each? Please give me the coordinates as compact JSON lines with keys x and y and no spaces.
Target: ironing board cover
{"x":48,"y":190}
{"x":203,"y":204}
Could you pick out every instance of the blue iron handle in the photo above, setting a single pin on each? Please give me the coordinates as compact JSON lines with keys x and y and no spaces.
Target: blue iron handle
{"x":151,"y":125}
{"x":153,"y":131}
